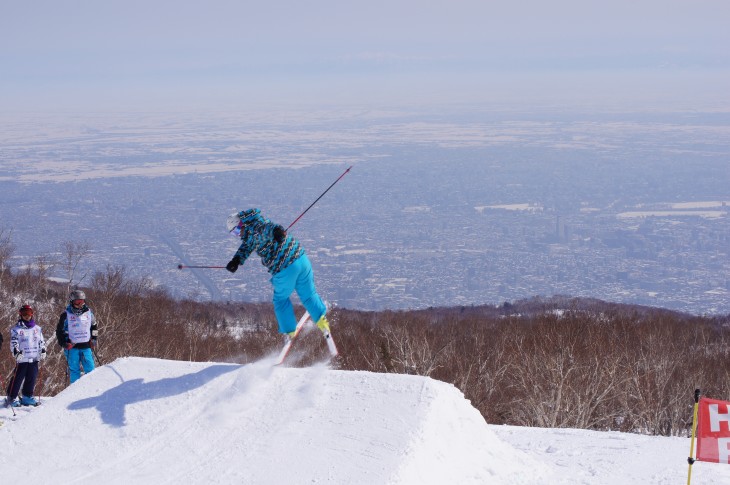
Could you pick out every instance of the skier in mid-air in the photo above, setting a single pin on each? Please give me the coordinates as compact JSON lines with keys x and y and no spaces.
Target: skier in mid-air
{"x":286,"y":261}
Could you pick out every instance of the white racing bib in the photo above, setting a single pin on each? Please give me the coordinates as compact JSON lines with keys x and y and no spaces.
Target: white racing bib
{"x":29,"y":342}
{"x":79,"y":327}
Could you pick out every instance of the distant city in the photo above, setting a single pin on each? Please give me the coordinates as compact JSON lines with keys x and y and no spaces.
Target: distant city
{"x":447,"y":209}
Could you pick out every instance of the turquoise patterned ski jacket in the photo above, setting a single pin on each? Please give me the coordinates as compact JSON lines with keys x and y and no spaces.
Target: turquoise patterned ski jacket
{"x":257,"y":234}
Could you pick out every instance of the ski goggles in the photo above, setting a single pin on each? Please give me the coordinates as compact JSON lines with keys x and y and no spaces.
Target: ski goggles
{"x":236,"y":231}
{"x":78,"y":302}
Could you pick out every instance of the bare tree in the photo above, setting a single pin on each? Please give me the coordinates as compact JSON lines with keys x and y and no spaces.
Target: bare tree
{"x":409,"y":349}
{"x":73,"y":254}
{"x":7,"y":248}
{"x":44,"y":266}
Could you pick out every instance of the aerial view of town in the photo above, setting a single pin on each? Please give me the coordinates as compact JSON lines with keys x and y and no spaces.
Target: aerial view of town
{"x":440,"y":209}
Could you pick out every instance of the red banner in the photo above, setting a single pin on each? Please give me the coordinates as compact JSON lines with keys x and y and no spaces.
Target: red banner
{"x":713,"y":431}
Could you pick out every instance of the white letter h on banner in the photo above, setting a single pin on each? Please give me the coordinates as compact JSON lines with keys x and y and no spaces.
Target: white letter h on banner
{"x":716,"y":417}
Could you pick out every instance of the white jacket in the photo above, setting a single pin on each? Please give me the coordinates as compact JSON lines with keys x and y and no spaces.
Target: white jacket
{"x":28,"y":340}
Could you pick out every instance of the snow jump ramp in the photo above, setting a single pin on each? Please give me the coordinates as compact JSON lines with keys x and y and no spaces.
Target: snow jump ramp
{"x":139,"y":421}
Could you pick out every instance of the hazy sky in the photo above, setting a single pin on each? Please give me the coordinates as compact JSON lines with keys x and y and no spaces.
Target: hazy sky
{"x":194,"y":54}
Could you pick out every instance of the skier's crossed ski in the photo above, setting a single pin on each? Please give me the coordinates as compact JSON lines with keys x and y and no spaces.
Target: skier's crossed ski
{"x":290,"y":341}
{"x":300,"y":324}
{"x":330,"y":344}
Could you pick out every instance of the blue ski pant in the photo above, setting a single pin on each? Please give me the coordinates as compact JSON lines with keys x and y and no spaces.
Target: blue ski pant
{"x":25,"y":375}
{"x":297,"y":276}
{"x":77,"y":358}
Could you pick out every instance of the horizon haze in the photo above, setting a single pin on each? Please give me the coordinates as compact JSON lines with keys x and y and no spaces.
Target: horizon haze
{"x":227,"y":55}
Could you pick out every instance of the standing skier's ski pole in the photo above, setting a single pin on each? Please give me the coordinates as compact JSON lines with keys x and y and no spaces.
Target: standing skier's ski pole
{"x":40,"y":378}
{"x":185,"y":266}
{"x":12,"y":384}
{"x":2,"y":383}
{"x":328,"y":188}
{"x":93,"y":352}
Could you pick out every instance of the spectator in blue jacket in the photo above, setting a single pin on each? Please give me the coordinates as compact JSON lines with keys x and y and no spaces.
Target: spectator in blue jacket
{"x":77,"y":333}
{"x":287,"y":263}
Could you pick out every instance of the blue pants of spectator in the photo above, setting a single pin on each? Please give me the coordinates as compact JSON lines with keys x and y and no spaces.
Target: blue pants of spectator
{"x":78,"y":358}
{"x":297,"y":276}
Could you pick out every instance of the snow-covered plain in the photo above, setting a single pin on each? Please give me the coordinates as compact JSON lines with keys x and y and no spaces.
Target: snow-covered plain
{"x":154,"y":421}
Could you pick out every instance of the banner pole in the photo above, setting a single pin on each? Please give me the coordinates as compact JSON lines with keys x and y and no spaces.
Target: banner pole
{"x":691,"y":459}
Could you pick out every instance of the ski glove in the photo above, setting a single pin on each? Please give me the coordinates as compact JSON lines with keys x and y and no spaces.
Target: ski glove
{"x":233,"y":264}
{"x":43,"y":354}
{"x":92,"y":343}
{"x":19,"y":356}
{"x":69,"y":345}
{"x":279,"y":234}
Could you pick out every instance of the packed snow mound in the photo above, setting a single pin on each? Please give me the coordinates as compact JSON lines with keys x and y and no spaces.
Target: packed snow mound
{"x":155,"y":421}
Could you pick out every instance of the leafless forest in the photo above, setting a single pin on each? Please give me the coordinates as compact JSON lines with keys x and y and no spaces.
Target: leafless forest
{"x":557,"y":362}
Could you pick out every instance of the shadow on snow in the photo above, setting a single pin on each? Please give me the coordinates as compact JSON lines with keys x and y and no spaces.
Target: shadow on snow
{"x":111,"y":404}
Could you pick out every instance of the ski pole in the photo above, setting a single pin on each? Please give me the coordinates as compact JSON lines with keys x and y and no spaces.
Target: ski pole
{"x":67,"y":353}
{"x":328,"y":188}
{"x":40,"y":378}
{"x":185,"y":266}
{"x":12,"y":384}
{"x":93,"y":352}
{"x":2,"y":383}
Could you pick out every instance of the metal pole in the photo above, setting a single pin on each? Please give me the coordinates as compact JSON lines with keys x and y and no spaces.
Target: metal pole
{"x":184,"y":266}
{"x":691,"y":459}
{"x":40,"y":374}
{"x":12,"y":384}
{"x":328,"y":188}
{"x":93,"y":352}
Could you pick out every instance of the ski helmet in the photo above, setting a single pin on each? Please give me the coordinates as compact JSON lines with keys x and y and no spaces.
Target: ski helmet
{"x":26,"y":309}
{"x":77,"y":295}
{"x":233,"y":222}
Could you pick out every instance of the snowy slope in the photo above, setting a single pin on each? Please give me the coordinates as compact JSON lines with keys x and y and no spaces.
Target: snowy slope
{"x":154,"y":421}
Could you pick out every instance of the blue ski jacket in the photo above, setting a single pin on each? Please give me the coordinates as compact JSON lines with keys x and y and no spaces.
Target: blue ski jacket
{"x":62,"y":335}
{"x":257,"y":234}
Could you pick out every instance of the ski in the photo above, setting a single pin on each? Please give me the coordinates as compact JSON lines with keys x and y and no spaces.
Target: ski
{"x":331,"y":345}
{"x":287,"y":346}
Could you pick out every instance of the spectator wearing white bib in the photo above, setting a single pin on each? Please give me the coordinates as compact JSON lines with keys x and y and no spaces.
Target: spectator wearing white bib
{"x":77,"y":334}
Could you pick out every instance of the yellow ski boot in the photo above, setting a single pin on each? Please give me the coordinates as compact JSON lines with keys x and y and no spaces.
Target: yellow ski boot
{"x":324,"y":325}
